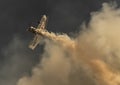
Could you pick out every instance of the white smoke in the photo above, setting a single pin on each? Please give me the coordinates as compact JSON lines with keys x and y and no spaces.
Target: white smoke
{"x":92,"y":58}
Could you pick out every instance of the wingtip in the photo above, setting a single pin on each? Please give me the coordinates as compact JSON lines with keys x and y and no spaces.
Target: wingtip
{"x":44,"y":16}
{"x":31,"y":47}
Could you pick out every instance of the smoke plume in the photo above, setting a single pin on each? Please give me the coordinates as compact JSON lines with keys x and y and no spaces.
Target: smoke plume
{"x":92,"y":58}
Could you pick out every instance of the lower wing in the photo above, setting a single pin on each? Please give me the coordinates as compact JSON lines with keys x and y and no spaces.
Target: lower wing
{"x":35,"y":42}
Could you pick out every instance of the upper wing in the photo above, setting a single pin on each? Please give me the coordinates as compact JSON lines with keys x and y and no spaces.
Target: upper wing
{"x":35,"y":42}
{"x":43,"y":22}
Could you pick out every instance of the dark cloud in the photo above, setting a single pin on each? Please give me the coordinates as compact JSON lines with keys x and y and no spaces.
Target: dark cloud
{"x":17,"y":15}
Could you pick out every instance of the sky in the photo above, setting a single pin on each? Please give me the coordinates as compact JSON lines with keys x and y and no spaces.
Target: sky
{"x":64,"y":16}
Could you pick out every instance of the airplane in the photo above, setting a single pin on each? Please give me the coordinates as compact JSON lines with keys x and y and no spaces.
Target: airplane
{"x":39,"y":32}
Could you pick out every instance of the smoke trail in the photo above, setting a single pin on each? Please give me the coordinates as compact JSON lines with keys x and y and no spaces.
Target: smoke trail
{"x":92,"y":58}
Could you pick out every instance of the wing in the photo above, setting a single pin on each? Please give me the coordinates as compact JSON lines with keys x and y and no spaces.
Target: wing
{"x":43,"y":22}
{"x":35,"y":42}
